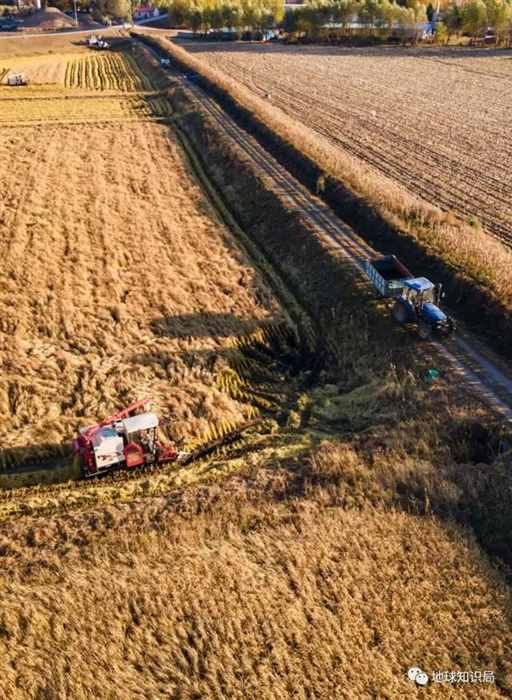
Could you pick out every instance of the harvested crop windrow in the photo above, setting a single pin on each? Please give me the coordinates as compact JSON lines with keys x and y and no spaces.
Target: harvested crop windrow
{"x":111,"y":288}
{"x":107,"y":71}
{"x":75,"y":109}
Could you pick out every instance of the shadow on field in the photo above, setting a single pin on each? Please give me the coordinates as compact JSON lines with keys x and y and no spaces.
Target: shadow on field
{"x":204,"y":325}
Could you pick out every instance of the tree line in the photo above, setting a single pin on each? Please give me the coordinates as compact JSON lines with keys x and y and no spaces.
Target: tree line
{"x":475,"y":17}
{"x":236,"y":15}
{"x":330,"y":18}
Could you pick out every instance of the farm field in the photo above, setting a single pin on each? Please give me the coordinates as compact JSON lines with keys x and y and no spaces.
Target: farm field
{"x":83,"y":87}
{"x":109,"y":282}
{"x":348,"y":537}
{"x":243,"y":590}
{"x":108,"y":70}
{"x":435,"y":122}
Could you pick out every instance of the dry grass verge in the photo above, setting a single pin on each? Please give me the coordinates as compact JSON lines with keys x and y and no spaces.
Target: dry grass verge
{"x":474,"y":267}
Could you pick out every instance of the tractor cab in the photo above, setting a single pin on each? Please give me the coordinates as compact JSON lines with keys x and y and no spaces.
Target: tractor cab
{"x":419,"y":291}
{"x":139,"y":438}
{"x":419,"y":303}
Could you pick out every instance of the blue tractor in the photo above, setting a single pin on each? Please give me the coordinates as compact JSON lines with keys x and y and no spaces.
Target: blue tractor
{"x":419,"y":303}
{"x":417,"y":299}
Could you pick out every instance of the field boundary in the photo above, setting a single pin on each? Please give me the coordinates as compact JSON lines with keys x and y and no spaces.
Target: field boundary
{"x":471,"y":297}
{"x":297,"y":315}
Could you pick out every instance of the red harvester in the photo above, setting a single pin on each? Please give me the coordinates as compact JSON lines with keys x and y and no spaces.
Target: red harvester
{"x":127,"y":439}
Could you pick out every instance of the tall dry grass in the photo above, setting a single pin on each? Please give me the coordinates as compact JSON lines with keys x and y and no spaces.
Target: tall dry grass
{"x":117,"y":281}
{"x":252,"y":588}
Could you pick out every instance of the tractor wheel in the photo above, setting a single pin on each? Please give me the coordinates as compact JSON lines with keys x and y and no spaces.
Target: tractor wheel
{"x":399,"y":313}
{"x":424,"y":330}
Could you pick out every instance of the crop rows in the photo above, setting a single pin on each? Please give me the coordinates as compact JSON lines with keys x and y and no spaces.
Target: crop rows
{"x":440,"y":128}
{"x":79,"y":109}
{"x":106,"y":71}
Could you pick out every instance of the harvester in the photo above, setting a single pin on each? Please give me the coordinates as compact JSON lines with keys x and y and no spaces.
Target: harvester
{"x":126,"y":440}
{"x":97,"y":42}
{"x":15,"y":79}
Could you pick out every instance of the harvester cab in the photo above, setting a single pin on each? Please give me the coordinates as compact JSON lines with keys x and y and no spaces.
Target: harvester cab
{"x":15,"y":79}
{"x":419,"y":302}
{"x":127,"y":439}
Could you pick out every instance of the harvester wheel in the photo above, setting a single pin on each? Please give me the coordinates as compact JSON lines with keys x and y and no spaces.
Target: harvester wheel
{"x":399,"y":313}
{"x":424,"y":330}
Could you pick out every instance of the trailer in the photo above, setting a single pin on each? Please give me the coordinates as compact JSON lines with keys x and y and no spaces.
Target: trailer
{"x":417,"y":299}
{"x":387,"y":275}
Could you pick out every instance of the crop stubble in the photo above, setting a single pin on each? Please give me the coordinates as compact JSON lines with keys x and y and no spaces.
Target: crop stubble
{"x":437,"y":123}
{"x":84,"y":87}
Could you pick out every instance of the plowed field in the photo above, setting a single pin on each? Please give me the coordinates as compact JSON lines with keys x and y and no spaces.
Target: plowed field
{"x":437,"y":122}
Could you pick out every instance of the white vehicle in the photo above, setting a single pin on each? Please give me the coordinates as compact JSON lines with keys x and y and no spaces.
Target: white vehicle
{"x":165,"y":62}
{"x":17,"y":79}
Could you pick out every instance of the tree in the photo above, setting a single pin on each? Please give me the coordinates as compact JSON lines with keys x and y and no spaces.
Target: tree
{"x":453,"y":20}
{"x":291,"y":21}
{"x":343,"y":12}
{"x":474,"y":18}
{"x":418,"y":9}
{"x":441,"y":33}
{"x":430,"y":12}
{"x":499,"y":16}
{"x":195,"y":20}
{"x":370,"y":13}
{"x":179,"y":12}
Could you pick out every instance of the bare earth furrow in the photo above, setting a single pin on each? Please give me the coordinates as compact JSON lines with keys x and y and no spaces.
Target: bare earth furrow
{"x":438,"y":126}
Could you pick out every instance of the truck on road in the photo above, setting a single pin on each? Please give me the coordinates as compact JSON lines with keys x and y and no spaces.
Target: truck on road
{"x":417,"y":299}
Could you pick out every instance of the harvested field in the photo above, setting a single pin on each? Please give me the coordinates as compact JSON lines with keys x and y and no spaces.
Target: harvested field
{"x":107,"y":86}
{"x":76,"y":109}
{"x":110,"y":283}
{"x":15,"y":47}
{"x":106,"y":71}
{"x":436,"y":122}
{"x":87,"y":70}
{"x":38,"y":70}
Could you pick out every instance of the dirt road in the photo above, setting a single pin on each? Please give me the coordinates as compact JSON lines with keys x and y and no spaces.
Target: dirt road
{"x":481,"y":375}
{"x":434,"y":121}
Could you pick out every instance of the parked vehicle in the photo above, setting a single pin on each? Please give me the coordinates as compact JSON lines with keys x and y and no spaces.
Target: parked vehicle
{"x":417,"y":299}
